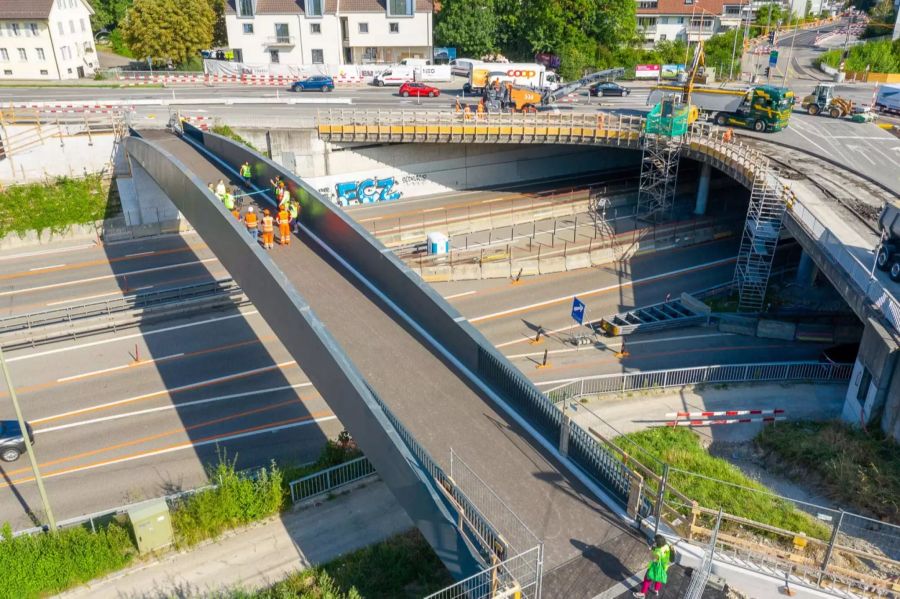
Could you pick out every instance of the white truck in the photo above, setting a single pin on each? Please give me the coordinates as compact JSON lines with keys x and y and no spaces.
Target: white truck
{"x":400,"y":74}
{"x":888,"y":98}
{"x":521,"y":74}
{"x":888,"y":258}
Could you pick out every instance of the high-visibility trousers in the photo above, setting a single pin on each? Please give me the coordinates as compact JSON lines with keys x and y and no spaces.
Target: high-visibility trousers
{"x":285,"y":231}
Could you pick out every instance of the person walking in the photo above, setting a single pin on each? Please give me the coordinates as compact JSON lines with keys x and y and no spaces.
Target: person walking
{"x":268,"y":230}
{"x":284,"y":226}
{"x":252,"y":224}
{"x":657,"y":571}
{"x":246,"y":173}
{"x":295,"y":217}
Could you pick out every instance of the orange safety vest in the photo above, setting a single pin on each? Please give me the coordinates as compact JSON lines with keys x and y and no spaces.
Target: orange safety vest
{"x":284,"y":218}
{"x":250,"y":219}
{"x":236,"y":213}
{"x":268,"y":225}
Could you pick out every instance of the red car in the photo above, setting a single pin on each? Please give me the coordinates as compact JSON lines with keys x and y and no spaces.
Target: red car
{"x":418,"y":89}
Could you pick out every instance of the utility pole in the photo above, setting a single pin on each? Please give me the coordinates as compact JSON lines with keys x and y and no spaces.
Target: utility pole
{"x":28,"y":447}
{"x":737,"y":30}
{"x":790,"y":54}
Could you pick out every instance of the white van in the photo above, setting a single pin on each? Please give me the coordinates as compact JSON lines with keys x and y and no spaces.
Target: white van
{"x":461,"y":66}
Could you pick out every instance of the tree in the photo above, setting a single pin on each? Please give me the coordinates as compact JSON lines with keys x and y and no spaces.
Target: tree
{"x":168,"y":30}
{"x":468,"y":25}
{"x":882,"y":21}
{"x":108,"y":13}
{"x":220,"y":33}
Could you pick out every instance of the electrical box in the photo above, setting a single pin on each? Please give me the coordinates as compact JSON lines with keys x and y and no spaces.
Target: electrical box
{"x":152,"y":525}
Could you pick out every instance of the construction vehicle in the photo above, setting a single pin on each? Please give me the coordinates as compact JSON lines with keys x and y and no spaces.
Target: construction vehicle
{"x":503,"y":96}
{"x":761,"y":108}
{"x":823,"y":101}
{"x":534,"y":75}
{"x":888,"y":258}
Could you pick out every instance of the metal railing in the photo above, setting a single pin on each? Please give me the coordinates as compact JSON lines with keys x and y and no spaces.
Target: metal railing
{"x":699,"y":375}
{"x":515,"y":577}
{"x":330,"y":479}
{"x":701,"y":575}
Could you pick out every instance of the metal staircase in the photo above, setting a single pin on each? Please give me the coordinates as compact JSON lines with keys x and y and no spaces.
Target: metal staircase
{"x":659,"y":174}
{"x":761,"y":231}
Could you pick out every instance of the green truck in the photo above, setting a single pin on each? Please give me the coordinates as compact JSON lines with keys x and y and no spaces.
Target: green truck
{"x":761,"y":108}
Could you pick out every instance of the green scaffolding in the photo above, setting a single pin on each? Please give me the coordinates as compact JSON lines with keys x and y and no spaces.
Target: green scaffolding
{"x":669,"y":119}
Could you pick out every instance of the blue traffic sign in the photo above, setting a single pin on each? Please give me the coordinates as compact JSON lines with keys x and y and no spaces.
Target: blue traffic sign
{"x":773,"y":58}
{"x":578,"y":310}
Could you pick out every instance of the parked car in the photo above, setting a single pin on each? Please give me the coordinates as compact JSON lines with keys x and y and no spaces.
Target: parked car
{"x":411,"y":88}
{"x":12,"y":443}
{"x":322,"y":83}
{"x":608,"y":88}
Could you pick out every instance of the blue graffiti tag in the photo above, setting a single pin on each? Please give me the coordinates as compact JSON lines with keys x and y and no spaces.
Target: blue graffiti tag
{"x":367,"y":191}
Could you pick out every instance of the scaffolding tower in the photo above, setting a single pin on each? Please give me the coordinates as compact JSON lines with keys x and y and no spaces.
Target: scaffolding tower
{"x":659,"y":174}
{"x":761,"y":231}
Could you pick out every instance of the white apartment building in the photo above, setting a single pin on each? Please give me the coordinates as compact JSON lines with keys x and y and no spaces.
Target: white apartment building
{"x":46,"y":39}
{"x":688,"y":20}
{"x":297,"y":32}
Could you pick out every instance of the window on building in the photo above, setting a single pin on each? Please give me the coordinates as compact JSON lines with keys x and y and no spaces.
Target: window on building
{"x":688,"y":1}
{"x":40,"y":54}
{"x":662,"y":37}
{"x":7,"y":71}
{"x":315,"y":28}
{"x":62,"y":28}
{"x":248,"y":28}
{"x":282,"y":33}
{"x":23,"y":55}
{"x":245,"y":8}
{"x":364,"y":28}
{"x":69,"y":70}
{"x":44,"y":72}
{"x":274,"y":56}
{"x":318,"y":57}
{"x":313,"y":8}
{"x":400,"y":8}
{"x":14,"y":28}
{"x":34,"y":29}
{"x":60,"y":3}
{"x":370,"y":54}
{"x":647,"y":4}
{"x":4,"y":55}
{"x":82,"y":25}
{"x":394,"y":27}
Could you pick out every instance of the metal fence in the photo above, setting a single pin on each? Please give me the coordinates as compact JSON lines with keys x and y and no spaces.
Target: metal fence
{"x":330,"y":479}
{"x":518,"y":576}
{"x":680,"y":377}
{"x":700,"y":575}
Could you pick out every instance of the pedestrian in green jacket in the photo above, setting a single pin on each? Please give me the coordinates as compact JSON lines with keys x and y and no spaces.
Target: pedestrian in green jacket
{"x":657,"y":572}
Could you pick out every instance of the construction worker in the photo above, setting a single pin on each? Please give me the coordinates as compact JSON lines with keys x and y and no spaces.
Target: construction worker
{"x":268,"y":230}
{"x":236,"y":212}
{"x":252,"y":224}
{"x":246,"y":172}
{"x":220,"y":189}
{"x":467,"y":114}
{"x":228,"y":200}
{"x":285,"y":199}
{"x":277,"y":187}
{"x":479,"y":111}
{"x":212,"y":188}
{"x":295,"y":216}
{"x":728,"y":135}
{"x":284,"y":225}
{"x":458,"y":107}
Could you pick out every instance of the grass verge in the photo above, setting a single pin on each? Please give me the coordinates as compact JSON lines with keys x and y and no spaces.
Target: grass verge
{"x":853,"y":467}
{"x":226,"y":131}
{"x":681,"y":449}
{"x":403,"y":566}
{"x":55,"y":204}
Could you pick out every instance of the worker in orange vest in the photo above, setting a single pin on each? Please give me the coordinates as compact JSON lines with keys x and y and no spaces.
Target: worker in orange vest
{"x":236,"y":213}
{"x":252,"y":225}
{"x":268,"y":230}
{"x":284,"y":226}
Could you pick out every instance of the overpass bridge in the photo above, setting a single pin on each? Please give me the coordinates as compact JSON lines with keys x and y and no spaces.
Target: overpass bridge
{"x":841,"y":252}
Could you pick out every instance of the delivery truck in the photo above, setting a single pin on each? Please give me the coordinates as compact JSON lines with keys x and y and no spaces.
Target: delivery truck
{"x":888,"y":257}
{"x":531,"y":75}
{"x":761,"y":108}
{"x":400,"y":74}
{"x":888,"y":98}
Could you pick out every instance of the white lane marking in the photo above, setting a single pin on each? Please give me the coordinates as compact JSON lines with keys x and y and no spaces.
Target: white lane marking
{"x":179,"y":406}
{"x":79,"y":299}
{"x":630,"y":343}
{"x":48,"y":252}
{"x":131,"y":336}
{"x":195,"y":385}
{"x":75,"y":377}
{"x":434,"y":209}
{"x":37,"y":268}
{"x":189,"y":445}
{"x":463,"y":294}
{"x":600,"y":290}
{"x":140,"y":254}
{"x":106,"y":277}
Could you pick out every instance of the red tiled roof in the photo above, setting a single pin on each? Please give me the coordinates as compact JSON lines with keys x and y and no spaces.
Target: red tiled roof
{"x":269,"y":7}
{"x":331,"y":6}
{"x":25,"y":9}
{"x":678,"y":7}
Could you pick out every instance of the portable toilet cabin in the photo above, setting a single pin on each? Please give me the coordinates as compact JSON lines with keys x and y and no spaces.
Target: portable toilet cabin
{"x":438,"y":243}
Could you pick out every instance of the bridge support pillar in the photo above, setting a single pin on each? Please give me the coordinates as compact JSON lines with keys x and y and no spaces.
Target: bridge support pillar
{"x":873,"y":394}
{"x":806,"y":270}
{"x":703,"y":189}
{"x":564,"y":434}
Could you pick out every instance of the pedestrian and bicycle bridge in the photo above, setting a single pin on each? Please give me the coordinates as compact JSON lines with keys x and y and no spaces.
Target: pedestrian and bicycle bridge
{"x":512,"y":495}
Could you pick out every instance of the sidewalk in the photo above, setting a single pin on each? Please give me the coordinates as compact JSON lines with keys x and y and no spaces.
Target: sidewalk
{"x":263,"y":554}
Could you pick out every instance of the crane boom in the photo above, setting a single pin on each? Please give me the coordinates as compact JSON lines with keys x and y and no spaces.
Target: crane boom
{"x":564,"y":90}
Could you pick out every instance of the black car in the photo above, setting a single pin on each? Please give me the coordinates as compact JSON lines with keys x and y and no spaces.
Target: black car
{"x":12,"y":444}
{"x":609,"y":88}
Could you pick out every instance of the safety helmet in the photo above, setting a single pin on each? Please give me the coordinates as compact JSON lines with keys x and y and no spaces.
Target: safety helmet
{"x":250,"y":209}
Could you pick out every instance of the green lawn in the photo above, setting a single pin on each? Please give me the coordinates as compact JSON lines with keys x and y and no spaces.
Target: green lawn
{"x":55,"y":204}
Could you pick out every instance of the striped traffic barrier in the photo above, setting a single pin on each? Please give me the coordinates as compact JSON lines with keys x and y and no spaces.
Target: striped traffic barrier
{"x":708,"y":422}
{"x":725,"y":413}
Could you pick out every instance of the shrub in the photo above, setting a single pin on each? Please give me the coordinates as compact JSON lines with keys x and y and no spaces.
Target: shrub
{"x":881,"y":57}
{"x":42,"y":564}
{"x":54,"y":204}
{"x":226,"y":131}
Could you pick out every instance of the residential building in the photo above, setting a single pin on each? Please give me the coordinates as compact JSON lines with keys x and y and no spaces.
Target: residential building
{"x":294,"y":32}
{"x":688,"y":20}
{"x":46,"y":39}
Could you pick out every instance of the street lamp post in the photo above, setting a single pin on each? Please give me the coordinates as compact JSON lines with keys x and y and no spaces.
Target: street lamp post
{"x":790,"y":54}
{"x":28,"y":447}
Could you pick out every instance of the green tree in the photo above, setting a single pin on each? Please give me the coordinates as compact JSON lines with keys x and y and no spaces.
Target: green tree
{"x":718,"y":51}
{"x":167,"y":30}
{"x":220,"y":33}
{"x":882,"y":21}
{"x":468,"y":25}
{"x":108,"y":13}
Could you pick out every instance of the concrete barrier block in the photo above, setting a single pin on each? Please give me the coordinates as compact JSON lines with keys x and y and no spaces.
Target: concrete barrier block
{"x":465,"y":272}
{"x":529,"y":268}
{"x":694,"y":304}
{"x":603,"y":256}
{"x":579,"y":260}
{"x":552,"y":264}
{"x":495,"y":270}
{"x":436,"y":274}
{"x":739,"y":325}
{"x":776,"y":329}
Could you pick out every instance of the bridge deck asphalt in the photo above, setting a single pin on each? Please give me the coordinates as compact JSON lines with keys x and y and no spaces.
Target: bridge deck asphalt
{"x":588,"y":547}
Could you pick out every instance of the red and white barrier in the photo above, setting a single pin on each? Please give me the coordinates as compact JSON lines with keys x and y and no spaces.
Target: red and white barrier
{"x":254,"y":80}
{"x":724,"y":413}
{"x":711,"y":422}
{"x":201,"y":122}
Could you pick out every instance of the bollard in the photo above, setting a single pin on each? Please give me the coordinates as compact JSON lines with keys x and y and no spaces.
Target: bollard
{"x":538,"y":338}
{"x":137,"y":353}
{"x":545,"y":362}
{"x":518,"y":276}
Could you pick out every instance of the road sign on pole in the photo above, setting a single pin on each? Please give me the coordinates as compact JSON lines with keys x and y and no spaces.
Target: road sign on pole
{"x":773,"y":58}
{"x":578,"y":310}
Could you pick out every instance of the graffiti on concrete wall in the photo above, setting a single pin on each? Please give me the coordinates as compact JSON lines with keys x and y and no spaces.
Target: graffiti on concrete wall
{"x":366,"y":191}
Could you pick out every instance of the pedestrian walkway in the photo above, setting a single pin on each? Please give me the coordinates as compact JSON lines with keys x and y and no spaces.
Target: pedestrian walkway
{"x":260,"y":555}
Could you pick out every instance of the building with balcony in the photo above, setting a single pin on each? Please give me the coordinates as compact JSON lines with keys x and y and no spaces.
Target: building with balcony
{"x":687,"y":20}
{"x":295,"y":32}
{"x":46,"y":39}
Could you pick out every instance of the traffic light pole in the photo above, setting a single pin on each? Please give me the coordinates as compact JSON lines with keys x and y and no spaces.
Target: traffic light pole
{"x":28,"y":447}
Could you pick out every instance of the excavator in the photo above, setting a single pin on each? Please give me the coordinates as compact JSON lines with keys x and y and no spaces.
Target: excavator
{"x":505,"y":97}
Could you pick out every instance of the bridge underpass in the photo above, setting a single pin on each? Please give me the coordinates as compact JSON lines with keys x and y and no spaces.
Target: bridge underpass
{"x":433,"y":389}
